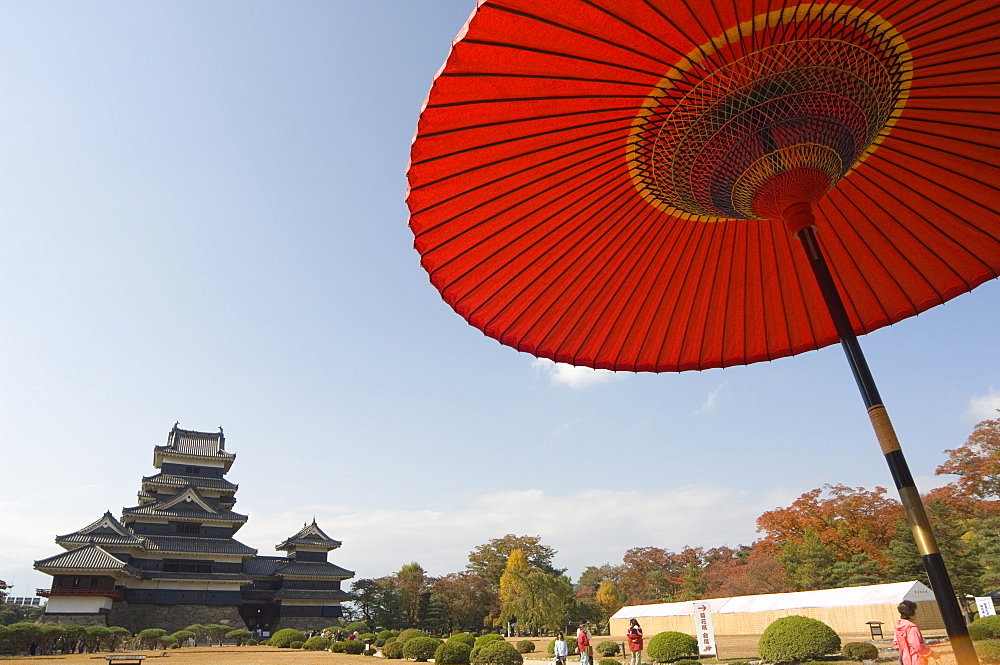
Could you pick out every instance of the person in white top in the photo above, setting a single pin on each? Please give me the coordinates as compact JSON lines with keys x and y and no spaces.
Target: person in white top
{"x":560,"y":649}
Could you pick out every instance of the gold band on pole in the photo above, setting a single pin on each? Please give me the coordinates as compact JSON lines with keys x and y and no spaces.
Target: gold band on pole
{"x":884,"y":432}
{"x":917,"y":517}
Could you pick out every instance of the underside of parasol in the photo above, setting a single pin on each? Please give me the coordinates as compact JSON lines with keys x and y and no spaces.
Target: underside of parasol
{"x":602,"y":183}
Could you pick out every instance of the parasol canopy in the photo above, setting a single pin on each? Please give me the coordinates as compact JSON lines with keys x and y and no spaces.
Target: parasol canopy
{"x":603,"y":182}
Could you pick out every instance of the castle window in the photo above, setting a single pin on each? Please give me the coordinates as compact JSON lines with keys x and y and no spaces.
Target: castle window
{"x":188,"y":528}
{"x":192,"y":470}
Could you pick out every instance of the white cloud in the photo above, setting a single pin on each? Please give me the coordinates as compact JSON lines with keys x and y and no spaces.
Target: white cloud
{"x":588,"y":527}
{"x":571,"y":375}
{"x":710,"y":401}
{"x":983,"y":407}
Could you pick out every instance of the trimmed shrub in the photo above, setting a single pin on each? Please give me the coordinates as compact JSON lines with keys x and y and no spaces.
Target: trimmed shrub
{"x":338,"y":646}
{"x":354,"y":647}
{"x":384,"y":636}
{"x":453,"y":652}
{"x":239,"y":636}
{"x":149,"y":637}
{"x":570,"y":644}
{"x":669,"y":646}
{"x":409,"y":634}
{"x":420,"y":649}
{"x":609,"y":661}
{"x":360,"y":626}
{"x":989,"y":652}
{"x":607,"y":648}
{"x":283,"y":638}
{"x":393,"y":649}
{"x":366,"y":636}
{"x":252,"y":642}
{"x":797,"y":638}
{"x":317,"y":643}
{"x":496,"y":652}
{"x":464,"y":638}
{"x":525,"y":646}
{"x":859,"y":651}
{"x":985,"y":628}
{"x":687,"y":661}
{"x":296,"y":644}
{"x":486,"y":638}
{"x":168,"y":642}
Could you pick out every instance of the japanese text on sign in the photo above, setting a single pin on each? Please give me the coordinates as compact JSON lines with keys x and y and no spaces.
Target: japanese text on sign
{"x":703,"y":629}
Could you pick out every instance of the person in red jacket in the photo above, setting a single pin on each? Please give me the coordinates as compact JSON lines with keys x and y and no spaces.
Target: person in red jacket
{"x":634,"y":636}
{"x":583,"y":644}
{"x":907,"y":637}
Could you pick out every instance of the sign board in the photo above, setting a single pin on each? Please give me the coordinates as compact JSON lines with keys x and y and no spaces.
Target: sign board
{"x":703,"y":629}
{"x":985,"y":606}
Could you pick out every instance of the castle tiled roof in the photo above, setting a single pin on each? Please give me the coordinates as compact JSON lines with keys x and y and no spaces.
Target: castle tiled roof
{"x":185,"y":544}
{"x":311,"y":594}
{"x":210,"y":577}
{"x":314,"y":569}
{"x":263,"y":565}
{"x":106,"y":530}
{"x":186,"y":505}
{"x":309,"y":535}
{"x":88,"y":557}
{"x":194,"y":444}
{"x":183,"y":481}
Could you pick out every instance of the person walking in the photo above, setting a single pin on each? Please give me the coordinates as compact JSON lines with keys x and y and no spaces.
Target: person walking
{"x":583,"y":644}
{"x":560,"y":649}
{"x":907,"y":638}
{"x":634,"y":636}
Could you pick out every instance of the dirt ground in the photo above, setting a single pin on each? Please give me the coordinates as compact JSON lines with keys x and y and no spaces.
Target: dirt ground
{"x":730,"y":647}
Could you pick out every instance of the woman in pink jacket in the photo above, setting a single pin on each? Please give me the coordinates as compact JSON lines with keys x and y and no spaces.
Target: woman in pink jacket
{"x":907,"y":637}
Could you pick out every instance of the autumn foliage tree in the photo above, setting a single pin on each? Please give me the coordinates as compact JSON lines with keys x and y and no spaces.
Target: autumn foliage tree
{"x":489,"y":560}
{"x":844,"y":520}
{"x":977,"y":462}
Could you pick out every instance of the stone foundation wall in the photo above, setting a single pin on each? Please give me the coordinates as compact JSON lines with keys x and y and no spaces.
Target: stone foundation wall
{"x":171,"y":618}
{"x":75,"y":619}
{"x":305,"y":624}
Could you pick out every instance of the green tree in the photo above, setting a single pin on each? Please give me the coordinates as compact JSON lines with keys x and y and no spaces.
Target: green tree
{"x":200,"y":632}
{"x":22,"y":634}
{"x":859,"y":571}
{"x":239,"y":636}
{"x":489,"y":560}
{"x":468,"y":598}
{"x":412,"y":582}
{"x":535,"y":597}
{"x":97,"y":638}
{"x":49,"y":636}
{"x":216,"y":631}
{"x":116,"y":636}
{"x":808,"y":563}
{"x":149,"y":638}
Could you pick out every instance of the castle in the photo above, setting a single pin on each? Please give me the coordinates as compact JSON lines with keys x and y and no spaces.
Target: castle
{"x":171,"y":561}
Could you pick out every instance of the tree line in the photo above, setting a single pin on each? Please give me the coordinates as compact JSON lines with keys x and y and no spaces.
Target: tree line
{"x":832,"y":536}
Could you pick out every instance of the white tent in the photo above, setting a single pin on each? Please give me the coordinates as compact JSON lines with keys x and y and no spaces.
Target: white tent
{"x":847,"y":610}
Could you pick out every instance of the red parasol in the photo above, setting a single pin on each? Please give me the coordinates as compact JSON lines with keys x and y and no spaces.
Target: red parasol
{"x":626,"y":184}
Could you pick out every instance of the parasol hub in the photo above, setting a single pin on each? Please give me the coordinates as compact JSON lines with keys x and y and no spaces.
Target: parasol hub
{"x":803,"y":185}
{"x":798,"y":216}
{"x":793,"y":99}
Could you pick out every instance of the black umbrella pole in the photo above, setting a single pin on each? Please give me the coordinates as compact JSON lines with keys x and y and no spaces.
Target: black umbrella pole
{"x":916,"y":515}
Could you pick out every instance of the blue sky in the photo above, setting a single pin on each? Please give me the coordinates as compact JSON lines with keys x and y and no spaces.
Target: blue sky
{"x":203,"y":220}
